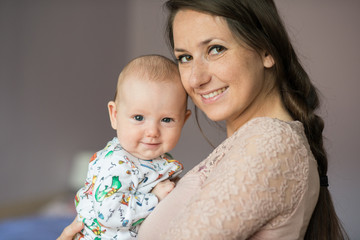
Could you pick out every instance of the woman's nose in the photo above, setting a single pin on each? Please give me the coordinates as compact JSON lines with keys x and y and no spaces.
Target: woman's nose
{"x":199,"y":74}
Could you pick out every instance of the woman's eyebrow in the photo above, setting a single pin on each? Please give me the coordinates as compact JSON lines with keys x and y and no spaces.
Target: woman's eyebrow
{"x":202,"y":43}
{"x":179,"y":50}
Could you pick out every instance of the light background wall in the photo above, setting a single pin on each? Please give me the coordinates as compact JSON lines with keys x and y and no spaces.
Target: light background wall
{"x":59,"y":61}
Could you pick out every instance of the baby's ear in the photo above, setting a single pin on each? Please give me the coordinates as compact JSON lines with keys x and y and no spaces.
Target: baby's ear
{"x":112,"y":114}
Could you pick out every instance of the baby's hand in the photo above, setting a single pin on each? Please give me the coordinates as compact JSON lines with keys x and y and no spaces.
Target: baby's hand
{"x":162,"y":189}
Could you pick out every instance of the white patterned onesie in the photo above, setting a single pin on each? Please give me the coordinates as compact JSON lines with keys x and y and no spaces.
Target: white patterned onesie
{"x":116,"y":197}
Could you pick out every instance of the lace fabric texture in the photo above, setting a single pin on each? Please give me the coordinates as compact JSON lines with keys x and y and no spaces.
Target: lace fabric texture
{"x":254,"y":185}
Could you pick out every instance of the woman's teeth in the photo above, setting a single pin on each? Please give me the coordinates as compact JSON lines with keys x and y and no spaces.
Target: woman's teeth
{"x":213,"y":94}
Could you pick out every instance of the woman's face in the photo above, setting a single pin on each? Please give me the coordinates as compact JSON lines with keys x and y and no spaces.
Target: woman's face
{"x":224,"y":78}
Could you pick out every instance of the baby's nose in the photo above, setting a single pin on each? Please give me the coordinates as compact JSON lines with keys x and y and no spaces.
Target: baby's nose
{"x":152,"y":130}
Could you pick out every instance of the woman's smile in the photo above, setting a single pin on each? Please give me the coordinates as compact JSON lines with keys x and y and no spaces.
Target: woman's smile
{"x":213,"y":94}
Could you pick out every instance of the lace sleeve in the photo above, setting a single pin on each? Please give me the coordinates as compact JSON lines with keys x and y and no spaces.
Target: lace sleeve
{"x":260,"y":178}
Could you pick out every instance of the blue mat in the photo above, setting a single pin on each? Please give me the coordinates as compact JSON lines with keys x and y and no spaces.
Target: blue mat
{"x":31,"y":228}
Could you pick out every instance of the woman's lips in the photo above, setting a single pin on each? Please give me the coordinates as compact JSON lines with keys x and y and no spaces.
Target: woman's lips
{"x":214,"y":93}
{"x":212,"y":96}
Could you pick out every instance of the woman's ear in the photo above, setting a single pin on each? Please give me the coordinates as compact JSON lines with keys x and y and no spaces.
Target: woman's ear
{"x":268,"y":60}
{"x":112,"y":114}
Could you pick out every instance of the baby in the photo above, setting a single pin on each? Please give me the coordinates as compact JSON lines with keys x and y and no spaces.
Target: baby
{"x":128,"y":178}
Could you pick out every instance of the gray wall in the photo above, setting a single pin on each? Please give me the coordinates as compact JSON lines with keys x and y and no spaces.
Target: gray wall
{"x":59,"y":61}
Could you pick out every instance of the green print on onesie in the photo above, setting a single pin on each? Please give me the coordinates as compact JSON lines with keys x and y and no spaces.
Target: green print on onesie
{"x":107,"y":192}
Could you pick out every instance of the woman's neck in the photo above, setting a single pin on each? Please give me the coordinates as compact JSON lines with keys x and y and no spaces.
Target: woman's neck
{"x":270,"y":105}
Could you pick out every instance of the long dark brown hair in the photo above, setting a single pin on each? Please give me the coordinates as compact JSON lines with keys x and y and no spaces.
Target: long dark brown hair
{"x":258,"y":24}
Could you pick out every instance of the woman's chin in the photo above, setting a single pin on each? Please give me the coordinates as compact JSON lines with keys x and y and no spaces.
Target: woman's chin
{"x":215,"y":116}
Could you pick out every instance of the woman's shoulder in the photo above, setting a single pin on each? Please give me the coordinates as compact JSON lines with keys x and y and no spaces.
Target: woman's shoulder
{"x":268,"y":131}
{"x":272,"y":140}
{"x":267,"y":125}
{"x":262,"y":137}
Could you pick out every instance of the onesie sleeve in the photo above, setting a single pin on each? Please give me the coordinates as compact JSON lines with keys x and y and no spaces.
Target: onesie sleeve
{"x":117,"y":201}
{"x":83,"y":199}
{"x":259,"y":178}
{"x":160,"y":169}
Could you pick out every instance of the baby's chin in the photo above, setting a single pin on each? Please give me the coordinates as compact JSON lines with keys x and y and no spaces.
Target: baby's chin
{"x":146,"y":155}
{"x":146,"y":151}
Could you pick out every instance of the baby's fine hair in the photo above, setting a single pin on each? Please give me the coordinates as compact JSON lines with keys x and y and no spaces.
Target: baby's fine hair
{"x":150,"y":67}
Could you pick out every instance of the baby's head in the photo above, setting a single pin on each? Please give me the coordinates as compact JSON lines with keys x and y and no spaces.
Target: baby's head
{"x":150,"y":107}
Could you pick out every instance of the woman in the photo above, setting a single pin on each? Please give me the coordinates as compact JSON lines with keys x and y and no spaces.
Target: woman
{"x":267,"y":180}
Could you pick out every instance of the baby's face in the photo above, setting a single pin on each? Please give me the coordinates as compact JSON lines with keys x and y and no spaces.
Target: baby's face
{"x":149,"y":116}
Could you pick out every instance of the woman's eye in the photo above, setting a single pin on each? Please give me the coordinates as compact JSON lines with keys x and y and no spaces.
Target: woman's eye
{"x":167,"y":120}
{"x":184,"y":58}
{"x":217,"y":49}
{"x":138,"y":118}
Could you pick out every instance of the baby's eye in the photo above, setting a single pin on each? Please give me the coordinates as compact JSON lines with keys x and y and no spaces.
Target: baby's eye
{"x":167,"y":120}
{"x":216,"y":49}
{"x":138,"y":117}
{"x":184,"y":58}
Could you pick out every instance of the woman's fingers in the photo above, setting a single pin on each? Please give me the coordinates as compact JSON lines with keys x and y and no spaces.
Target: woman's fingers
{"x":70,"y":231}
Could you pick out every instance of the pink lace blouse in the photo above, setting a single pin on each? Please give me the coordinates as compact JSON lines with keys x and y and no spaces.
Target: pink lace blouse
{"x":260,"y":183}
